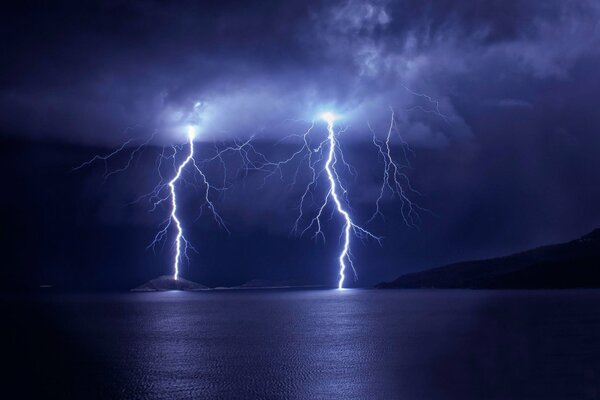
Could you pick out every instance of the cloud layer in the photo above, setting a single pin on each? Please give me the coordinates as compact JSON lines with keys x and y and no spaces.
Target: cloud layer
{"x":87,"y":72}
{"x":498,"y":99}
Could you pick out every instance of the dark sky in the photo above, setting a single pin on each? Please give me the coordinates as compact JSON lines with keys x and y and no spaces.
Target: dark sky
{"x":512,"y":162}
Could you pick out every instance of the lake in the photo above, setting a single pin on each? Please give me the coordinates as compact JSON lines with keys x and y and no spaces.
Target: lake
{"x":304,"y":344}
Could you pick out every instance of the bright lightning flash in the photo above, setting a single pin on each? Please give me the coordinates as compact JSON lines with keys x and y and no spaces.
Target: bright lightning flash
{"x":325,"y":157}
{"x":322,"y":159}
{"x":345,"y":255}
{"x":165,"y":191}
{"x":180,"y":238}
{"x":329,"y":150}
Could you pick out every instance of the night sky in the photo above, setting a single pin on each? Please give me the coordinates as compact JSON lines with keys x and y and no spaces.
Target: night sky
{"x":511,"y":163}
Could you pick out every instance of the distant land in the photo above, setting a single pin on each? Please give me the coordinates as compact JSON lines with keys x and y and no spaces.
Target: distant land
{"x":265,"y":284}
{"x":166,"y":282}
{"x":574,"y":264}
{"x":268,"y":284}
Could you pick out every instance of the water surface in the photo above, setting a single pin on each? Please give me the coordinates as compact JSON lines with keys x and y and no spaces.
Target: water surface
{"x":306,"y":344}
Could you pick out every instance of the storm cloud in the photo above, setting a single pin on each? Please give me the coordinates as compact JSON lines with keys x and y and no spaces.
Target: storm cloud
{"x":88,"y":71}
{"x":497,"y":98}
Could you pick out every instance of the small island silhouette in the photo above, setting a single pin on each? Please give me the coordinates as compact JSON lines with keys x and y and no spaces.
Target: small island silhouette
{"x":166,"y":283}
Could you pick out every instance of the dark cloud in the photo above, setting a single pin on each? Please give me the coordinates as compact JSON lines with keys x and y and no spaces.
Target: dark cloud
{"x":509,"y":161}
{"x":88,"y":71}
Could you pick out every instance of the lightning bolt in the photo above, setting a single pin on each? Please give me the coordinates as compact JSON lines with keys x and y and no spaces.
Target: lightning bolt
{"x":181,"y":243}
{"x":345,"y":254}
{"x":179,"y":237}
{"x":395,"y":181}
{"x":435,"y":103}
{"x":324,"y":157}
{"x":165,"y":191}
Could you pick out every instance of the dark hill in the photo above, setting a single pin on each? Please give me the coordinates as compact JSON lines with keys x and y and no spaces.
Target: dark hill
{"x":567,"y":265}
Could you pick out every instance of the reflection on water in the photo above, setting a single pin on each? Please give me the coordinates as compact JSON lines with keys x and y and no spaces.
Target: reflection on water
{"x":310,"y":344}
